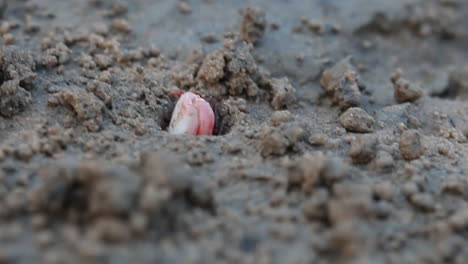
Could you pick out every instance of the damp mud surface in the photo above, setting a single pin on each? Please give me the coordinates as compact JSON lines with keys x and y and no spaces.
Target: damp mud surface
{"x":341,"y":131}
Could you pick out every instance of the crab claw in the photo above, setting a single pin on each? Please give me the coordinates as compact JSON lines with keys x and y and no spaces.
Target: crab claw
{"x":192,"y":116}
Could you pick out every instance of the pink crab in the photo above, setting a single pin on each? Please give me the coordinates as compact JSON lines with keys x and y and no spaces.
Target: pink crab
{"x":192,"y":115}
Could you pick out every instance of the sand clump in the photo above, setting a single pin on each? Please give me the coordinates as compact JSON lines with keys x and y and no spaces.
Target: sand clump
{"x":356,"y":119}
{"x":341,"y":83}
{"x":253,"y":25}
{"x":233,"y":71}
{"x":410,"y":145}
{"x":404,"y":90}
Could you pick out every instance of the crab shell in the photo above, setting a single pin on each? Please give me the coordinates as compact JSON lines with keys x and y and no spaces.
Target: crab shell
{"x":192,"y":115}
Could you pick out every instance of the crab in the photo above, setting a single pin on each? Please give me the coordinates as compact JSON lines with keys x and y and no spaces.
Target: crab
{"x":192,"y":115}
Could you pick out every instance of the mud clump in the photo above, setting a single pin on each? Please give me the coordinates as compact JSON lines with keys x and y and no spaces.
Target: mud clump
{"x":85,"y":190}
{"x":212,"y":69}
{"x":253,"y":25}
{"x":383,"y":161}
{"x":17,"y":65}
{"x":459,"y":220}
{"x":233,"y":71}
{"x":165,"y":174}
{"x":314,"y":26}
{"x":122,"y":25}
{"x":9,"y":39}
{"x":169,"y":190}
{"x":283,"y":93}
{"x":363,"y":149}
{"x":410,"y":145}
{"x":16,"y":77}
{"x":341,"y":83}
{"x":280,"y":138}
{"x":13,"y":98}
{"x":405,"y":91}
{"x":99,"y":197}
{"x":279,"y":117}
{"x":420,"y":20}
{"x":184,"y":7}
{"x":229,"y":114}
{"x":312,"y":170}
{"x":422,"y":201}
{"x":356,"y":119}
{"x":102,"y":91}
{"x":87,"y":108}
{"x":315,"y":208}
{"x":458,"y":86}
{"x":112,"y":199}
{"x":350,"y":206}
{"x":56,"y":55}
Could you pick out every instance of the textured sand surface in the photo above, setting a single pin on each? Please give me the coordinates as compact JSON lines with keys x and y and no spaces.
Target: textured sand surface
{"x":342,"y":131}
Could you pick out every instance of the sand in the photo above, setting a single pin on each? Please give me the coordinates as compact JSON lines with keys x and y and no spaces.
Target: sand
{"x":341,"y":131}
